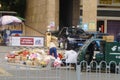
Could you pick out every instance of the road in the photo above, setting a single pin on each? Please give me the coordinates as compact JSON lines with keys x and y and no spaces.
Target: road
{"x":20,"y":72}
{"x":12,"y":71}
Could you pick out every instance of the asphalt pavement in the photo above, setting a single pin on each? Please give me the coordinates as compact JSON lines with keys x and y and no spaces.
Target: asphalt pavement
{"x":12,"y":71}
{"x":4,"y":49}
{"x":18,"y":72}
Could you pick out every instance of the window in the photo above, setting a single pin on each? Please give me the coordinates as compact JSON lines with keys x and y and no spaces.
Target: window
{"x":105,"y":1}
{"x":116,"y":1}
{"x":109,"y":1}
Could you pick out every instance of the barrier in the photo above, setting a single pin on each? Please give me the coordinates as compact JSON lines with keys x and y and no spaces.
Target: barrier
{"x":94,"y":71}
{"x":11,"y":71}
{"x":101,"y":71}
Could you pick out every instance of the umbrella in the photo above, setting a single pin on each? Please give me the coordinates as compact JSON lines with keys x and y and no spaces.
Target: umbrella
{"x":7,"y":20}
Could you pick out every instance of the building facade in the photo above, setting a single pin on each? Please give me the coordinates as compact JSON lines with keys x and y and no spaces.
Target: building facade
{"x":108,"y":16}
{"x":93,"y":15}
{"x":42,"y":15}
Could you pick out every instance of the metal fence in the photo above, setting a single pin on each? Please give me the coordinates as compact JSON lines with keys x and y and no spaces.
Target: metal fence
{"x":14,"y":71}
{"x":94,"y":71}
{"x":101,"y":71}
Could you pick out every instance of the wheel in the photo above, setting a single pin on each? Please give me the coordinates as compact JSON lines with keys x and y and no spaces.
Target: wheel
{"x":112,"y":68}
{"x":87,"y":57}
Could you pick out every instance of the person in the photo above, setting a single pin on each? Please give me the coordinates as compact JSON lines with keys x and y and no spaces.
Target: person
{"x":6,"y":34}
{"x":70,"y":57}
{"x":53,"y":49}
{"x":90,"y":51}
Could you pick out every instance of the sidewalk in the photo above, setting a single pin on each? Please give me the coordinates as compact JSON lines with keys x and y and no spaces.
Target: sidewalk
{"x":5,"y":49}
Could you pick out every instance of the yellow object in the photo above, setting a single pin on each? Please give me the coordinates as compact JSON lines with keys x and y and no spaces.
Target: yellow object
{"x":109,"y":38}
{"x":43,"y":63}
{"x":48,"y":38}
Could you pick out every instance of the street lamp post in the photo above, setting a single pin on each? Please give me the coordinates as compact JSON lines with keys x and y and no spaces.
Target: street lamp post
{"x":0,"y":5}
{"x":0,"y":8}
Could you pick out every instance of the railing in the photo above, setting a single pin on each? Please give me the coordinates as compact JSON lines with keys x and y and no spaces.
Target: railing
{"x":94,"y":71}
{"x":100,"y":71}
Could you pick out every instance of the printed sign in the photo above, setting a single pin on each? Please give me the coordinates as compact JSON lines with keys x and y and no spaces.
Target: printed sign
{"x":26,"y":41}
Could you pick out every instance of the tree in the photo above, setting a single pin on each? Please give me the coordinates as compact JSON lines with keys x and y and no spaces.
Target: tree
{"x":18,"y":6}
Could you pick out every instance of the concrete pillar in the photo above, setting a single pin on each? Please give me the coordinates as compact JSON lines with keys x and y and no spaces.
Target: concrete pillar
{"x":76,"y":12}
{"x":105,"y":24}
{"x":90,"y":14}
{"x":52,"y":14}
{"x":40,"y":14}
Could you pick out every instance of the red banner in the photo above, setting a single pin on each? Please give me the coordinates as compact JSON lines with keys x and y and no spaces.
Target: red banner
{"x":26,"y":41}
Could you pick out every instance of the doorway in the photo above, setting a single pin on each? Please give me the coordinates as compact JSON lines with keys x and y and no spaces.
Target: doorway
{"x":113,"y":27}
{"x":65,"y":14}
{"x":100,"y":26}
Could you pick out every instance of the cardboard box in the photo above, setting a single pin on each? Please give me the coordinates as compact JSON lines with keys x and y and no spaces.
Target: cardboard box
{"x":109,"y":38}
{"x":11,"y":60}
{"x":23,"y":58}
{"x":30,"y":63}
{"x":17,"y":59}
{"x":104,"y":38}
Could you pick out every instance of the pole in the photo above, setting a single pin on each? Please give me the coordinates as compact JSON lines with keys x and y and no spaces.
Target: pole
{"x":78,"y":71}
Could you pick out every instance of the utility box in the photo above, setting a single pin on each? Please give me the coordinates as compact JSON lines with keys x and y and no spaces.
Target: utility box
{"x":112,"y":52}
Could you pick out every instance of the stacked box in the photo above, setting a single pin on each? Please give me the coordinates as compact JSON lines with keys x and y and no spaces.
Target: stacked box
{"x":17,"y":59}
{"x":104,"y":37}
{"x":109,"y":38}
{"x":30,"y":63}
